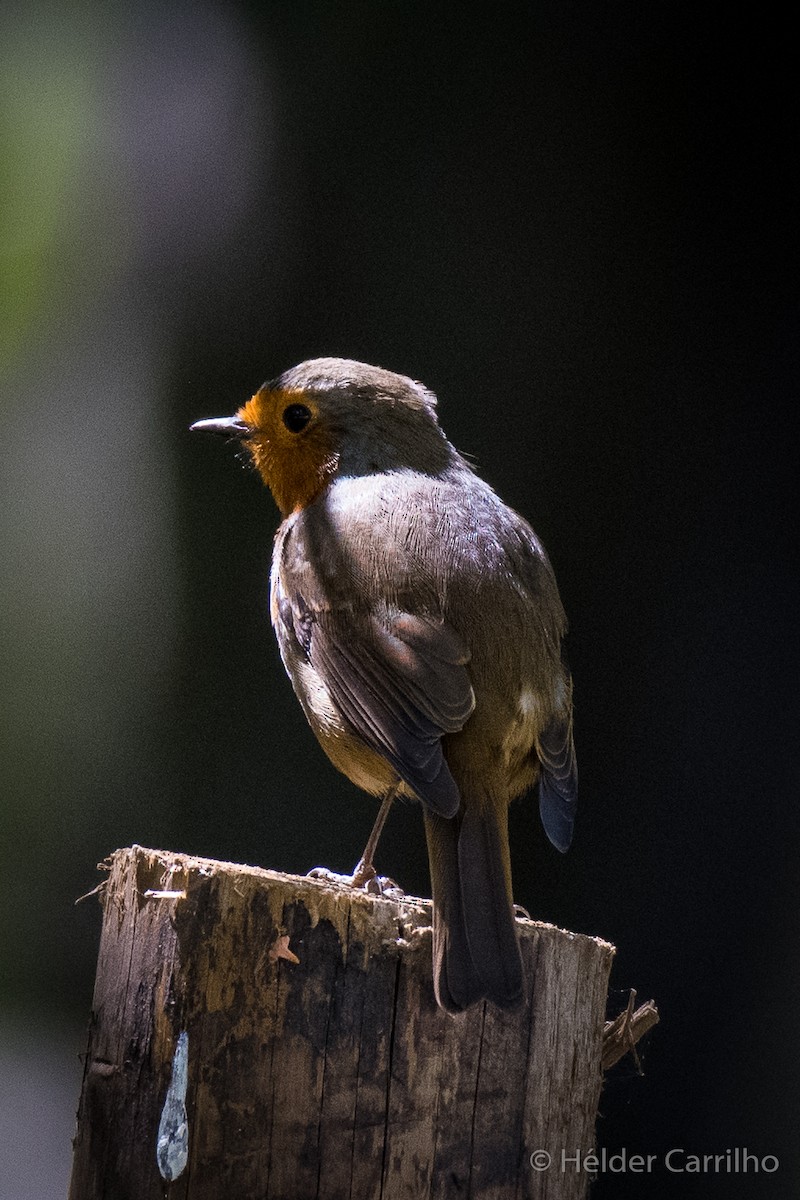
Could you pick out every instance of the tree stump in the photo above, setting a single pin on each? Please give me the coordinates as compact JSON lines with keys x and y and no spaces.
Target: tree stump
{"x":260,"y":1036}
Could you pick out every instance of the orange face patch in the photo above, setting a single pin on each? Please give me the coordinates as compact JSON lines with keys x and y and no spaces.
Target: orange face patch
{"x":295,"y":465}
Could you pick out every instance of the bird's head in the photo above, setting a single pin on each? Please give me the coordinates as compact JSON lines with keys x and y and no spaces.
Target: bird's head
{"x":329,"y":417}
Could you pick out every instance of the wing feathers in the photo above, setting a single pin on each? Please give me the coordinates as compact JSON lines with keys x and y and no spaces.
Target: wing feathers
{"x":400,"y":684}
{"x":558,"y":783}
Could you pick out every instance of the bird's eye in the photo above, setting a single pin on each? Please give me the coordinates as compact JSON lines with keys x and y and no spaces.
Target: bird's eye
{"x":296,"y":417}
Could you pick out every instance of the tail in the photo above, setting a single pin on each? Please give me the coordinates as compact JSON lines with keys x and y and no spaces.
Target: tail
{"x":475,"y":948}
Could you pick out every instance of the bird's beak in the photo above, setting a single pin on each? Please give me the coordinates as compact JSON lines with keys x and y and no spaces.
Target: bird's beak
{"x":231,"y":427}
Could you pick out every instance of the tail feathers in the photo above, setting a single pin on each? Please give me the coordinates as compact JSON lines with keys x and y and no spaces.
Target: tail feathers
{"x":475,"y":950}
{"x":456,"y":984}
{"x":487,"y":906}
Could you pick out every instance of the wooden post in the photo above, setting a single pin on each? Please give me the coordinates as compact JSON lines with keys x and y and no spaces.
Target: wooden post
{"x":268,"y":1037}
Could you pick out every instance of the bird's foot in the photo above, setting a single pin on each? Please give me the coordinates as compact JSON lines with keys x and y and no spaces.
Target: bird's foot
{"x":364,"y":877}
{"x":328,"y":876}
{"x":382,"y":885}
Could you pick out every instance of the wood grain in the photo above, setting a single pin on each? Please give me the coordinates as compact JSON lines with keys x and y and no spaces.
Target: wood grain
{"x":335,"y":1077}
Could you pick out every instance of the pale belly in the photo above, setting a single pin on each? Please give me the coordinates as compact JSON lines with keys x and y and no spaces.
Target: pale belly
{"x":362,"y":766}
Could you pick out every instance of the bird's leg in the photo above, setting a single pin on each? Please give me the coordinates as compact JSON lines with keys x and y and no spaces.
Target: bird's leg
{"x":365,"y":874}
{"x":365,"y":869}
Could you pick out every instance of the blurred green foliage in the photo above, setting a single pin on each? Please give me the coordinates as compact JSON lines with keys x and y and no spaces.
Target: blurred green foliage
{"x":48,"y":117}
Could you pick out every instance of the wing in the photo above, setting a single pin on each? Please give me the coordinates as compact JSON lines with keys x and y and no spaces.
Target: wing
{"x":400,"y":684}
{"x":558,"y":782}
{"x":555,"y":746}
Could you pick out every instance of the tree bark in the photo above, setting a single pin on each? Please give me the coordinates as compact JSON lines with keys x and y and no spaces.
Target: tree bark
{"x":268,"y":1037}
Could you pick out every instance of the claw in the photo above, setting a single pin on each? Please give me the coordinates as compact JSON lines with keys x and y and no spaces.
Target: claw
{"x":362,"y":876}
{"x":328,"y":876}
{"x":382,"y":885}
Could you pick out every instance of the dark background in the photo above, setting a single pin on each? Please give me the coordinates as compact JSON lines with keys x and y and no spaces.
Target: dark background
{"x":576,"y":223}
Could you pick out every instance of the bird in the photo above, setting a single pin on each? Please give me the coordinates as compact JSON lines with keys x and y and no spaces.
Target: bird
{"x":420,"y":624}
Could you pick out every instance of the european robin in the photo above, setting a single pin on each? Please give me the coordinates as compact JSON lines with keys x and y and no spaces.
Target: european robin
{"x":420,"y":624}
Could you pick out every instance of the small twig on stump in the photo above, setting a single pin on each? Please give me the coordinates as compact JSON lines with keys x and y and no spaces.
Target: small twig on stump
{"x":621,"y":1035}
